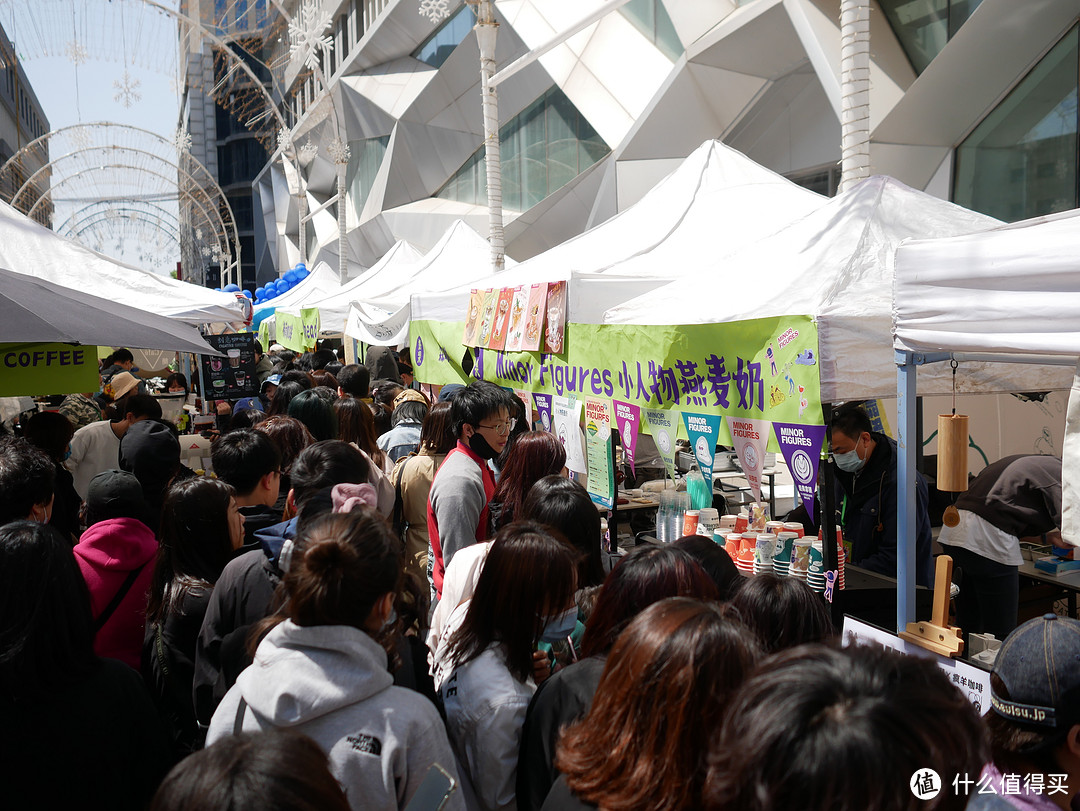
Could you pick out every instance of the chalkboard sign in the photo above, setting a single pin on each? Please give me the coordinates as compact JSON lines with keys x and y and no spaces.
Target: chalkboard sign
{"x":233,"y":376}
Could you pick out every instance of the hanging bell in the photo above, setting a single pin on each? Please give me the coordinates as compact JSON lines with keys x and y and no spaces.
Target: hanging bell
{"x":952,"y":456}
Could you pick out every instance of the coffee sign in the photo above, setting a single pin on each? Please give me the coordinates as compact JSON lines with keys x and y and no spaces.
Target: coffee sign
{"x":233,"y":376}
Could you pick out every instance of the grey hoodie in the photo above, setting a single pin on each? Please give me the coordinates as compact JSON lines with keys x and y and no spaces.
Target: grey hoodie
{"x":331,"y":683}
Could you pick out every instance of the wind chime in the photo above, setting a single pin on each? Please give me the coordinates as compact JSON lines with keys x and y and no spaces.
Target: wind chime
{"x":952,"y":467}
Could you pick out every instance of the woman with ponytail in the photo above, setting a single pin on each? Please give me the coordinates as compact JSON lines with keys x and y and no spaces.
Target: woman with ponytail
{"x":322,"y":671}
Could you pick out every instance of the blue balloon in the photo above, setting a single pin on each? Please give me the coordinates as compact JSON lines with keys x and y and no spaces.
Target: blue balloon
{"x":249,"y":294}
{"x":303,"y":273}
{"x":285,"y":285}
{"x":259,"y":291}
{"x":300,"y":266}
{"x":232,"y":288}
{"x":217,"y":289}
{"x":290,"y":276}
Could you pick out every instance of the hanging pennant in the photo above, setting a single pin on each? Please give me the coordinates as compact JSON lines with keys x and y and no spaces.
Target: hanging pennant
{"x":543,"y":408}
{"x":703,"y":431}
{"x":627,"y":419}
{"x":750,"y":437}
{"x":664,"y":428}
{"x":801,"y":446}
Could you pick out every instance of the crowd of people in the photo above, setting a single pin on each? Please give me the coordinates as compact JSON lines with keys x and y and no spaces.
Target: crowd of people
{"x":373,"y":593}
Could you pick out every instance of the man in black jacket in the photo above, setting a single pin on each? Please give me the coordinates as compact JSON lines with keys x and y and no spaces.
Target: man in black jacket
{"x":865,"y":476}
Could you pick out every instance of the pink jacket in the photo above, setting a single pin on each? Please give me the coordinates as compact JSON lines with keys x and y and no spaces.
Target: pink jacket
{"x":107,"y":553}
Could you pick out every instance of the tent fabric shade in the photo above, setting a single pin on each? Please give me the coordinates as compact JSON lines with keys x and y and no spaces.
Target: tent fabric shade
{"x":1009,"y":290}
{"x":35,"y":310}
{"x":836,"y":265}
{"x":716,"y":200}
{"x":30,"y":249}
{"x":333,"y":306}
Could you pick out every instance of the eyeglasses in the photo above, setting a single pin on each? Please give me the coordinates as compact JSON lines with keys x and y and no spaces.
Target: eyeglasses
{"x":503,"y":428}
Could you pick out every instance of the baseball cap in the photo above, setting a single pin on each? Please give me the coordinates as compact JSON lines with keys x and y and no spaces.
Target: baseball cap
{"x":1039,"y":663}
{"x":410,"y":396}
{"x":115,"y":492}
{"x":272,"y":380}
{"x":276,"y":348}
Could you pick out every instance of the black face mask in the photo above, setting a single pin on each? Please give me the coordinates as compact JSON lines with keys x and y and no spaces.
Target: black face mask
{"x":481,"y":447}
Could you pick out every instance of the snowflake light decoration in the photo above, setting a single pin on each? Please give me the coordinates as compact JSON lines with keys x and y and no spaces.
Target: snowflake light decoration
{"x":198,"y":234}
{"x":435,"y":10}
{"x":339,"y":151}
{"x":308,"y":151}
{"x":76,"y":53}
{"x":306,"y":33}
{"x":182,"y":140}
{"x":127,"y":90}
{"x":284,"y":139}
{"x":205,"y":252}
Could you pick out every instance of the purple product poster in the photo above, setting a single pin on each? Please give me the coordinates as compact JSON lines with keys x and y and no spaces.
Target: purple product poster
{"x":543,"y":408}
{"x":750,"y":437}
{"x":801,"y":446}
{"x":627,"y":419}
{"x":703,"y":431}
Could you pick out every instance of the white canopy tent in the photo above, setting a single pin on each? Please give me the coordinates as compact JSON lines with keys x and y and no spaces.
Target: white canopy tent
{"x":333,"y":307}
{"x":835,"y":264}
{"x":320,"y":282}
{"x":715,"y":200}
{"x":1006,"y":295}
{"x":31,"y":249}
{"x":379,"y":312}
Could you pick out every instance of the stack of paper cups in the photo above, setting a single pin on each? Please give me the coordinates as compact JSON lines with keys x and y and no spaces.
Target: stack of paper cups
{"x":759,"y":515}
{"x":800,"y":557}
{"x":727,"y":523}
{"x":742,"y":522}
{"x":815,"y":574}
{"x":708,"y":521}
{"x":785,"y":545}
{"x":764,"y":549}
{"x":794,"y":526}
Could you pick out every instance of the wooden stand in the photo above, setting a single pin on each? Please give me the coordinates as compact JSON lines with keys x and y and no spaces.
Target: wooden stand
{"x":937,"y":635}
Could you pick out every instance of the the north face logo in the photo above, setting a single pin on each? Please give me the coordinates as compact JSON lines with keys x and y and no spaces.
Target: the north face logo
{"x":366,"y":743}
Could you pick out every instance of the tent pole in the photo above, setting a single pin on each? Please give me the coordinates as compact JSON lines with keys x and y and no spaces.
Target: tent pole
{"x":906,"y":371}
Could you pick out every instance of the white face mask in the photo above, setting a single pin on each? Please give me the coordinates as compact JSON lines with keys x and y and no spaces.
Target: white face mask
{"x":850,"y":462}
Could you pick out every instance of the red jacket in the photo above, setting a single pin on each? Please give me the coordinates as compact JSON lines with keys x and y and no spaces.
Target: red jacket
{"x":107,"y":553}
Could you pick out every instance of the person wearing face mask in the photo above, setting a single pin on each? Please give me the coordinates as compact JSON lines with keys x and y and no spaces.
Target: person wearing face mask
{"x":457,"y":514}
{"x":487,"y":668}
{"x":27,"y":481}
{"x":865,"y":477}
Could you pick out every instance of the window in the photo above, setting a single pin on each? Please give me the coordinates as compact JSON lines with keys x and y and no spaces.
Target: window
{"x":436,"y":48}
{"x":924,"y":26}
{"x":651,"y":18}
{"x":543,"y":147}
{"x":365,"y":158}
{"x":1021,"y":160}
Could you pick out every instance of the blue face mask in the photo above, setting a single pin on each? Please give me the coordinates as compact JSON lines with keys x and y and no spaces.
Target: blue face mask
{"x":67,"y":453}
{"x":850,"y":461}
{"x":560,"y":626}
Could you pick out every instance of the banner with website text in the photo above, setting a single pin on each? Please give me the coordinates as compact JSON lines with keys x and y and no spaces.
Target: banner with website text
{"x":763,"y":368}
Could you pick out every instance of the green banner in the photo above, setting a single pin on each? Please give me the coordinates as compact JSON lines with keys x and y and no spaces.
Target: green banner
{"x":762,"y":368}
{"x":298,"y":332}
{"x":47,"y":369}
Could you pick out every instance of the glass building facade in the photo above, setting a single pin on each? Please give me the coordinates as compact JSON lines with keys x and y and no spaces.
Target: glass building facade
{"x":543,"y":147}
{"x":1021,"y":160}
{"x":924,"y":26}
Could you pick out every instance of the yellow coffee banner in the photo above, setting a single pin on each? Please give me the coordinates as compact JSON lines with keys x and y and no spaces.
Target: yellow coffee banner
{"x":27,"y":369}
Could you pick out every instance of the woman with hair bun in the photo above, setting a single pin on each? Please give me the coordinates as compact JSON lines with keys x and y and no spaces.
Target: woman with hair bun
{"x":322,"y":671}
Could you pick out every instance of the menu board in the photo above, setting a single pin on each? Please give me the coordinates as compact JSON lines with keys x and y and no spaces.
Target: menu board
{"x":233,"y":376}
